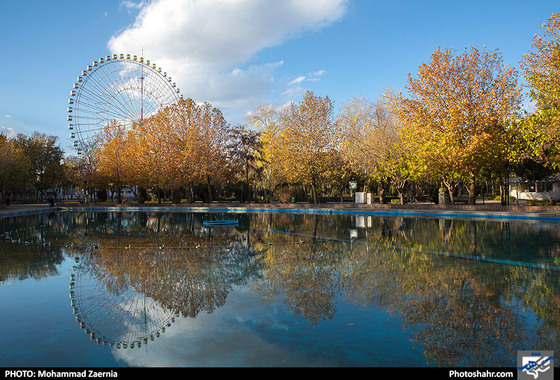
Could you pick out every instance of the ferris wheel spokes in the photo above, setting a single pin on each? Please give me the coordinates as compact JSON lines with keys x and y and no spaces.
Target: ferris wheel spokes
{"x":121,"y":88}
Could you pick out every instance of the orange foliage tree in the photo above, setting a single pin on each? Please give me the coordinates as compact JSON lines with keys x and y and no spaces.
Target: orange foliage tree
{"x":112,"y":150}
{"x":178,"y":146}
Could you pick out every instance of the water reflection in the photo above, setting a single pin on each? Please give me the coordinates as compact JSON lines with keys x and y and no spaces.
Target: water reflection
{"x":468,"y":292}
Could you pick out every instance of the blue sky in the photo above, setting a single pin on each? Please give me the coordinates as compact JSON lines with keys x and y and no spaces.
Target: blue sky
{"x":238,"y":54}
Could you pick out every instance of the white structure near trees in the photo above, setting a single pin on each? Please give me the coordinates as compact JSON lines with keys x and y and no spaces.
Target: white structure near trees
{"x":547,"y":189}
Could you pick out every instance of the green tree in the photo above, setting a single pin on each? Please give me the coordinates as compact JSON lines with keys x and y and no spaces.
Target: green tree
{"x":45,"y":158}
{"x":14,"y":166}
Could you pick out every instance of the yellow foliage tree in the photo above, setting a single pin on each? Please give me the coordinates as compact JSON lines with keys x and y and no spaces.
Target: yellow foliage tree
{"x":266,"y":121}
{"x":113,"y":157}
{"x":372,"y":144}
{"x":456,"y":111}
{"x":541,"y":68}
{"x":310,"y":140}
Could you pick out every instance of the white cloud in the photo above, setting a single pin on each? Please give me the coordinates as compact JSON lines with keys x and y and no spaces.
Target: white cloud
{"x":210,"y":339}
{"x":132,"y":5}
{"x":204,"y":45}
{"x":11,"y":126}
{"x":9,"y":132}
{"x":311,"y":77}
{"x":296,"y":90}
{"x":319,"y":73}
{"x":298,"y":79}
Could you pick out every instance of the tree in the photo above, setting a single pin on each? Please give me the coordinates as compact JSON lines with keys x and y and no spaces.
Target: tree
{"x":156,"y":153}
{"x":114,"y":157}
{"x":373,"y":146}
{"x":83,"y":171}
{"x":245,"y":145}
{"x":45,"y":157}
{"x":212,"y":159}
{"x":185,"y":118}
{"x":266,"y":121}
{"x":309,"y":139}
{"x":456,"y":113}
{"x":13,"y":166}
{"x":339,"y":173}
{"x":541,"y":68}
{"x":358,"y":122}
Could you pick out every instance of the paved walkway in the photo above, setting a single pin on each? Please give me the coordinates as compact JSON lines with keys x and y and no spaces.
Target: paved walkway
{"x":479,"y":210}
{"x":17,"y":209}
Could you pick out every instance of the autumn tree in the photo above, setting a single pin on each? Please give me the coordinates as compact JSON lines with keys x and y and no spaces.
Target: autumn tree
{"x":183,"y":122}
{"x":84,"y":170}
{"x":541,"y":68}
{"x":114,"y":157}
{"x":373,"y":146}
{"x":357,"y":119}
{"x":211,"y":155}
{"x":179,"y":145}
{"x":309,"y":140}
{"x":244,"y":148}
{"x":156,"y":153}
{"x":338,"y":173}
{"x":455,"y":113}
{"x":266,"y":121}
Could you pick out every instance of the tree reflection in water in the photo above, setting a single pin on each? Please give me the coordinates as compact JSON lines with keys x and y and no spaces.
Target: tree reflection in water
{"x":154,"y":267}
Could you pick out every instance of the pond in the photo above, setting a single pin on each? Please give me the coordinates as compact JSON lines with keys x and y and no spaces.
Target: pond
{"x":275,"y":289}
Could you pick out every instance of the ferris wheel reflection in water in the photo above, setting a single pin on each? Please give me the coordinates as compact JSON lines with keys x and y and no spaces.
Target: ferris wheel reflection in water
{"x":118,"y":90}
{"x":112,"y":311}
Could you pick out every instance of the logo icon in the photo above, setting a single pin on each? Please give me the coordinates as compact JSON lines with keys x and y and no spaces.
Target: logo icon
{"x":533,"y":365}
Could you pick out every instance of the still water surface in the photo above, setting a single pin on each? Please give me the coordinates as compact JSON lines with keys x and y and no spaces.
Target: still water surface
{"x":275,"y":289}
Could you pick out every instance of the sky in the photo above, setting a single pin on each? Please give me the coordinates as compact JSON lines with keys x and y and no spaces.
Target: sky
{"x":241,"y":54}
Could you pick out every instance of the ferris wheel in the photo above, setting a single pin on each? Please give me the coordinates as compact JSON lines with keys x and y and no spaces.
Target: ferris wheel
{"x":120,"y":89}
{"x":114,"y":312}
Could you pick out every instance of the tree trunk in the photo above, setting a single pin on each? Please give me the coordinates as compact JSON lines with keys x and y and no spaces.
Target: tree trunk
{"x":451,"y":188}
{"x":401,"y":187}
{"x":176,"y":196}
{"x":472,"y":190}
{"x":503,"y":192}
{"x":209,"y":187}
{"x":382,"y":188}
{"x":119,"y":194}
{"x":158,"y":194}
{"x":314,"y":190}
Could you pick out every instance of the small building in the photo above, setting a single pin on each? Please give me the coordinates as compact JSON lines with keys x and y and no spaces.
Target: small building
{"x":547,"y":189}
